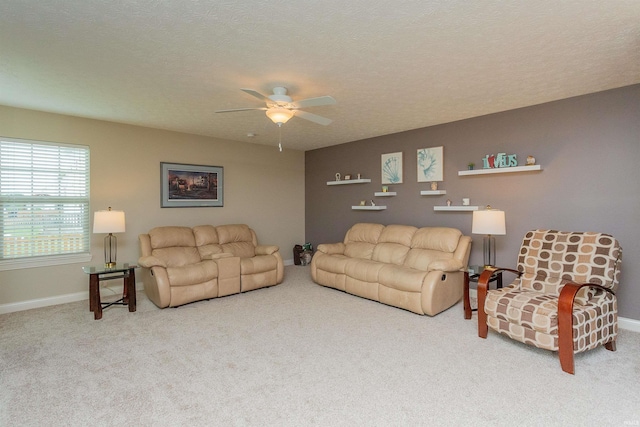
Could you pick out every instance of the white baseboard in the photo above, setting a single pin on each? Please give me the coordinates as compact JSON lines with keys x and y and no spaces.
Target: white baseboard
{"x":623,"y":322}
{"x":629,"y":324}
{"x":287,"y":261}
{"x":105,"y":291}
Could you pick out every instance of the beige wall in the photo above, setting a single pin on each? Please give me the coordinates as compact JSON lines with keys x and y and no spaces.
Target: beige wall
{"x":263,"y":188}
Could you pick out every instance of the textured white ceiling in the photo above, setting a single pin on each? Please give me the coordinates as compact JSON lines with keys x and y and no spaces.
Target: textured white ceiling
{"x":392,"y":66}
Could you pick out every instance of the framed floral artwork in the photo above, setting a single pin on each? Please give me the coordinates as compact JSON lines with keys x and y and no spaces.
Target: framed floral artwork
{"x":392,"y":168}
{"x":430,"y":164}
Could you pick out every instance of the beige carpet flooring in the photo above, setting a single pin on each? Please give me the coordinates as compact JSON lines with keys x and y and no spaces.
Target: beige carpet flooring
{"x":297,"y":354}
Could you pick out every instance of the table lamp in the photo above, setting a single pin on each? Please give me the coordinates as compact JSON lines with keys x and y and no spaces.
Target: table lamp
{"x":490,"y":222}
{"x":109,"y":222}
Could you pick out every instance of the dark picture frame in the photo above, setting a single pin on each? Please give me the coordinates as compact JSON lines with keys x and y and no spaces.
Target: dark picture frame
{"x":191,"y":186}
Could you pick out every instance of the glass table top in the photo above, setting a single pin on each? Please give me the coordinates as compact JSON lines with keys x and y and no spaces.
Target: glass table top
{"x":100,"y":269}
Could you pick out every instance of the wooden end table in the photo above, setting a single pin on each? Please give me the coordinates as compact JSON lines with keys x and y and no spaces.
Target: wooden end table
{"x":99,"y":274}
{"x":496,"y":277}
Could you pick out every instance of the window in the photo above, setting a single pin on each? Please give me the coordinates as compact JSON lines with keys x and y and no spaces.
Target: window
{"x":44,"y":203}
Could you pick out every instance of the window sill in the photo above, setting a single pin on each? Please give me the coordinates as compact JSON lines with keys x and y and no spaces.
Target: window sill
{"x":45,"y":261}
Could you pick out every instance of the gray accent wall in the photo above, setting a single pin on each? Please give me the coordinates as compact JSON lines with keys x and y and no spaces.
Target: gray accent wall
{"x":588,"y":148}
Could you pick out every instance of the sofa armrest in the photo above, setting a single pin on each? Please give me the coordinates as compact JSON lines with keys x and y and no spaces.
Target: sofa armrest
{"x":331,"y":248}
{"x":151,"y":261}
{"x":446,"y":265}
{"x":266,"y":249}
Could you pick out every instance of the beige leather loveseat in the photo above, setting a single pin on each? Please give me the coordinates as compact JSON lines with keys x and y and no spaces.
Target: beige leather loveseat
{"x":191,"y":264}
{"x":417,"y":269}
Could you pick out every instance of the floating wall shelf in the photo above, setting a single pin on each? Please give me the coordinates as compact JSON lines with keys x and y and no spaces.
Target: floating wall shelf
{"x":385,"y":193}
{"x":349,"y":181}
{"x":455,"y":208}
{"x":500,"y":170}
{"x":433,"y":192}
{"x":368,"y":208}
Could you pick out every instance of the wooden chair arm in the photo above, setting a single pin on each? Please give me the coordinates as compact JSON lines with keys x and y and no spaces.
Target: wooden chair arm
{"x":483,"y":286}
{"x":565,"y":322}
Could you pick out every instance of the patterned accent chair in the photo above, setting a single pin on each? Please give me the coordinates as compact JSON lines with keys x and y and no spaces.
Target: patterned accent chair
{"x":563,"y":297}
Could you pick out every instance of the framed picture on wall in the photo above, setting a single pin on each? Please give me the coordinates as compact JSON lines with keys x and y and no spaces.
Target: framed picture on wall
{"x":430,"y":164}
{"x":184,"y":186}
{"x":392,"y":168}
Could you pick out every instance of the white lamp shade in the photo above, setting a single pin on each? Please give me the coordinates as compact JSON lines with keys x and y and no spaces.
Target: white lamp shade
{"x":279,"y":114}
{"x":108,"y":222}
{"x":490,"y":221}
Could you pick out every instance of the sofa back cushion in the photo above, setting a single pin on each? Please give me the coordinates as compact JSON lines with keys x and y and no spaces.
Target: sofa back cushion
{"x":393,"y":244}
{"x":549,"y":259}
{"x":431,"y":243}
{"x":237,"y":239}
{"x":207,"y":240}
{"x":361,"y":240}
{"x":176,"y":246}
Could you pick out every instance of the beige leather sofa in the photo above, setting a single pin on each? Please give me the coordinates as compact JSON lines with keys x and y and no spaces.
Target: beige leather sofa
{"x":417,"y":269}
{"x":192,"y":264}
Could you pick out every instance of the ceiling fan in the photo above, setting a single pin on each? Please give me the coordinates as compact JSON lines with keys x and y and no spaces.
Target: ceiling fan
{"x":280,"y":107}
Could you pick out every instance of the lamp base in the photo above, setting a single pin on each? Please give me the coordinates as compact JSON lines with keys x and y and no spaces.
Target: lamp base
{"x":110,"y":250}
{"x":489,"y":250}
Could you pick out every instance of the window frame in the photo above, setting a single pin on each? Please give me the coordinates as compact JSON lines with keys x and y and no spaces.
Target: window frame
{"x":31,"y":261}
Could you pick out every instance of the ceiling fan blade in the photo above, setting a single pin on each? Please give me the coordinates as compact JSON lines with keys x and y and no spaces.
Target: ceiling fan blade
{"x":314,"y":102}
{"x":313,"y":117}
{"x":256,"y":94}
{"x":241,"y":109}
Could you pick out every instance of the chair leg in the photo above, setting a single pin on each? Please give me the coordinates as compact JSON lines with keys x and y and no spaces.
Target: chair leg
{"x":483,"y":286}
{"x":611,"y":345}
{"x":566,"y":358}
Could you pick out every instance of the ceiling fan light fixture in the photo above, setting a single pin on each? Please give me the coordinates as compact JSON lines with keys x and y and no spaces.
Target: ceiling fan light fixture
{"x":279,"y":115}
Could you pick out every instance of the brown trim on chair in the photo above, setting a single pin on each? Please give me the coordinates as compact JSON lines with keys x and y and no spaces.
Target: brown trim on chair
{"x":483,"y":286}
{"x":565,"y":324}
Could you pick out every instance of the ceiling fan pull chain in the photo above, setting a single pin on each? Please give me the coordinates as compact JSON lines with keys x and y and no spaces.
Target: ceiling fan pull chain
{"x":280,"y":136}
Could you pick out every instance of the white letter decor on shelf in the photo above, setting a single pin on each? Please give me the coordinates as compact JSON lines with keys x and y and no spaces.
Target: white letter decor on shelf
{"x":500,"y":160}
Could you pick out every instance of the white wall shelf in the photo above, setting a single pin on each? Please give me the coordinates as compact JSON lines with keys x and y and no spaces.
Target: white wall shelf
{"x":501,"y":170}
{"x":385,"y":193}
{"x":433,"y":192}
{"x":455,"y":208}
{"x":368,"y":208}
{"x":349,"y":181}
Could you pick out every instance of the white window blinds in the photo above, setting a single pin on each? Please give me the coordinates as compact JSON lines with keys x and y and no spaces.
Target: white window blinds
{"x":44,"y":199}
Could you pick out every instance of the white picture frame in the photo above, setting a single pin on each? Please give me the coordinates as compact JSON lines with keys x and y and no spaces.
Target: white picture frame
{"x":430,"y":163}
{"x":391,"y":168}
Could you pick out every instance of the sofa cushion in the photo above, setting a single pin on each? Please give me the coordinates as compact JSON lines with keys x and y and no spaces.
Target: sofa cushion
{"x":258,"y":264}
{"x":361,"y":239}
{"x":401,"y":278}
{"x":237,"y":239}
{"x":441,"y":239}
{"x":168,"y":237}
{"x":175,"y":246}
{"x":393,"y":244}
{"x":207,"y":242}
{"x":192,"y":274}
{"x":363,"y":270}
{"x":430,"y":244}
